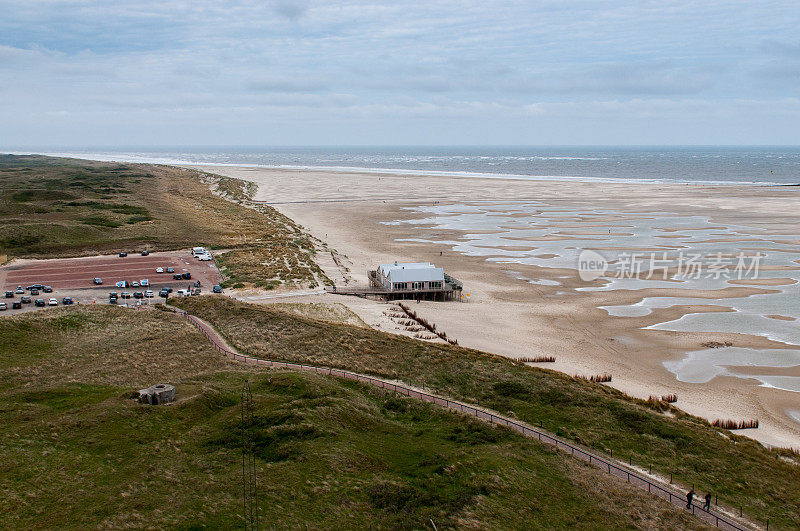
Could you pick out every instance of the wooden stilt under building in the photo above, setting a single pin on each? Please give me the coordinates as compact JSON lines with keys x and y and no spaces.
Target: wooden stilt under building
{"x":448,"y":290}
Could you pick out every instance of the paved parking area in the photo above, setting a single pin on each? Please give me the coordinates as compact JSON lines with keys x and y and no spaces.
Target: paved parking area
{"x":76,"y":273}
{"x":72,"y":277}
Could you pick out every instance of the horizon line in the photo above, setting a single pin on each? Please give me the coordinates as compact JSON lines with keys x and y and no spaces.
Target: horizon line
{"x":8,"y":149}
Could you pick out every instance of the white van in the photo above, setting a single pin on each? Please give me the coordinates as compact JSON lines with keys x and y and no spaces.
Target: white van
{"x":197,"y":251}
{"x":205,"y":257}
{"x":182,"y":293}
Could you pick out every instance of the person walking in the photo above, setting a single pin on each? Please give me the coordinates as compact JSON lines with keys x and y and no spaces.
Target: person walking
{"x":707,"y":506}
{"x":689,"y":498}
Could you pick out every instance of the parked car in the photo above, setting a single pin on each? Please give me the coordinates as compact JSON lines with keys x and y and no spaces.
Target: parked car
{"x":205,"y":257}
{"x":217,"y":289}
{"x":138,"y":295}
{"x":112,"y":300}
{"x":66,"y":301}
{"x":144,"y":282}
{"x":186,"y":276}
{"x":39,"y":302}
{"x":159,"y":270}
{"x":182,"y":293}
{"x":126,"y":295}
{"x":3,"y":306}
{"x":9,"y":294}
{"x":163,"y":293}
{"x":123,"y":255}
{"x":97,"y":280}
{"x":122,"y":284}
{"x":169,"y":290}
{"x":170,"y":270}
{"x":25,"y":300}
{"x":34,"y":292}
{"x":52,"y":302}
{"x":16,"y":305}
{"x":148,"y":294}
{"x":177,"y":276}
{"x":145,"y":252}
{"x":113,"y":295}
{"x":47,"y":289}
{"x":19,"y":289}
{"x":135,"y":284}
{"x":35,"y":286}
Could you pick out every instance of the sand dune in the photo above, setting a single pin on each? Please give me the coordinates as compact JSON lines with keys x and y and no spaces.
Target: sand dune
{"x":508,"y":315}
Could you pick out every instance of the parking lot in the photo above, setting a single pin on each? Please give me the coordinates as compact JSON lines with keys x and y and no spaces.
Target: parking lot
{"x":73,"y":277}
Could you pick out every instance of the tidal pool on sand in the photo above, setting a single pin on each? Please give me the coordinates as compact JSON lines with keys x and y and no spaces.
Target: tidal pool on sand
{"x":547,"y":236}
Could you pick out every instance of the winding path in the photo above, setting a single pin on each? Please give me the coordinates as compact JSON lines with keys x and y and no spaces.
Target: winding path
{"x":612,"y":466}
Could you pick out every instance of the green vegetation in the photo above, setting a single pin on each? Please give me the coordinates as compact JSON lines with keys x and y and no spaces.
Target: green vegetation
{"x":739,"y":470}
{"x":84,"y":207}
{"x":267,"y":262}
{"x":119,"y":208}
{"x":100,"y":221}
{"x":69,"y":397}
{"x":235,"y":189}
{"x":78,"y":452}
{"x":332,"y":313}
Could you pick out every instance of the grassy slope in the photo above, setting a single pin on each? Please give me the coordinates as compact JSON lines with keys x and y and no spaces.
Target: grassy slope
{"x":82,"y":207}
{"x":331,"y":313}
{"x":740,"y":470}
{"x":78,"y":453}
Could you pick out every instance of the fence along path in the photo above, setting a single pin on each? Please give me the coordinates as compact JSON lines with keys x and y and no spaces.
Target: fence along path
{"x":613,"y":467}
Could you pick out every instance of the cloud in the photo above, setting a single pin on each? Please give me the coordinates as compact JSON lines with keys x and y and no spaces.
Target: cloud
{"x":781,"y":48}
{"x":655,"y":78}
{"x":290,"y":9}
{"x":404,"y":62}
{"x":288,"y":84}
{"x":779,"y":71}
{"x":10,"y":55}
{"x":781,"y":68}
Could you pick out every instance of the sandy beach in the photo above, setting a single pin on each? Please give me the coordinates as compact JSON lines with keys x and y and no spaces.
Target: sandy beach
{"x":513,"y":242}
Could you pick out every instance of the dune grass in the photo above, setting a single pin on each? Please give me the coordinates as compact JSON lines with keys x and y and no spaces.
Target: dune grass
{"x":332,"y":313}
{"x":52,"y":207}
{"x":78,"y":452}
{"x":739,"y":470}
{"x":234,"y":189}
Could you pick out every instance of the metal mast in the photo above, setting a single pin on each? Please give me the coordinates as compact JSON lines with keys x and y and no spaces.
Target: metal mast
{"x":249,"y":482}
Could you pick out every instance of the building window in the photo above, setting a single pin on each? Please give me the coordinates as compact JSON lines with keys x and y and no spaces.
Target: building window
{"x":417,"y":285}
{"x":436,"y":285}
{"x":401,"y":285}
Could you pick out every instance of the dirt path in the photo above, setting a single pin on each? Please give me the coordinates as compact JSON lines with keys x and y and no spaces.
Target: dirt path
{"x":654,"y":485}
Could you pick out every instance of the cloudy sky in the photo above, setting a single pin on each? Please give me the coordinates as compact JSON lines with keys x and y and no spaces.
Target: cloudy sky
{"x":308,"y":72}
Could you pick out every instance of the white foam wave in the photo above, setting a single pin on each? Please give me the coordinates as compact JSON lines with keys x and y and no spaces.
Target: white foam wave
{"x":149,"y":159}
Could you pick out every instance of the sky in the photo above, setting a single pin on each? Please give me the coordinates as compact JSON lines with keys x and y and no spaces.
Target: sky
{"x":306,"y":72}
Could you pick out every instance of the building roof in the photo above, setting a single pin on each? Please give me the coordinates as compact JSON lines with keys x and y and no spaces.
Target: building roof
{"x":412,"y":272}
{"x":406,"y":265}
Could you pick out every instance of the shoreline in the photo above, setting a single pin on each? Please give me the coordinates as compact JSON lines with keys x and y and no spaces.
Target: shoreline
{"x":525,"y":310}
{"x":401,"y":171}
{"x":514,"y":318}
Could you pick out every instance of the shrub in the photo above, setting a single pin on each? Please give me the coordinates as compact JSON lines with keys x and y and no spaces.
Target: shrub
{"x":100,"y":221}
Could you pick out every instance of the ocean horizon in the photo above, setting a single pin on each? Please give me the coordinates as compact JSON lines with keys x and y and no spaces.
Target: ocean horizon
{"x":759,"y":165}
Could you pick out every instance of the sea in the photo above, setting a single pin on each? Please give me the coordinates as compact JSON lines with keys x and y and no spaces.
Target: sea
{"x":756,"y":165}
{"x":496,"y":224}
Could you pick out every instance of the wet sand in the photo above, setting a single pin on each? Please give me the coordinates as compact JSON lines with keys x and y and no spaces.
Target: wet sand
{"x":518,"y":309}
